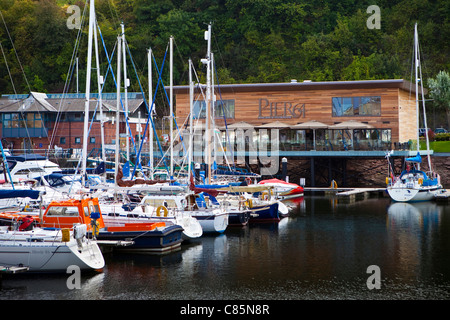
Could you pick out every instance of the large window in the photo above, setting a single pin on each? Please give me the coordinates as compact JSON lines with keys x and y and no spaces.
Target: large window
{"x":20,"y":125}
{"x":222,"y":108}
{"x":356,"y":106}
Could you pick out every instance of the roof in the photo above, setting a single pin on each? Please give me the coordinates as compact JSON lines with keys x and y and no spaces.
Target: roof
{"x":310,"y":85}
{"x":41,"y":102}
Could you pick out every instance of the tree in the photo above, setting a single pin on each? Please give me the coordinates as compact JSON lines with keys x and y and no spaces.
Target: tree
{"x":440,"y":92}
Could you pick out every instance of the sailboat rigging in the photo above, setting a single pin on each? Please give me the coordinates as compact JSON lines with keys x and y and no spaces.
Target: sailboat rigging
{"x":413,"y":184}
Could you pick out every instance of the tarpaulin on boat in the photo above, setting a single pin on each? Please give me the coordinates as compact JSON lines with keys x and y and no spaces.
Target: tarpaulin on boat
{"x":417,"y":158}
{"x":4,"y":194}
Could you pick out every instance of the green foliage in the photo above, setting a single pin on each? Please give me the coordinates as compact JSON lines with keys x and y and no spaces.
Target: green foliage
{"x":442,"y":137}
{"x":253,"y":40}
{"x":440,"y":93}
{"x":440,"y":90}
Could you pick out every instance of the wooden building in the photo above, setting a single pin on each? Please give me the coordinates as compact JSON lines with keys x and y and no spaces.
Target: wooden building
{"x":382,"y":112}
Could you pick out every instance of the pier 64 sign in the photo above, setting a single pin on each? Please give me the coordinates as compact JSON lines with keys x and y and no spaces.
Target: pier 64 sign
{"x":280,"y":110}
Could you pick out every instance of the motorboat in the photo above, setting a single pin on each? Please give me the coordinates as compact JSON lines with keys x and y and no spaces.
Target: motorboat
{"x":47,"y":249}
{"x":283,"y":189}
{"x":212,"y":218}
{"x":28,"y":166}
{"x":145,"y":237}
{"x":119,"y":214}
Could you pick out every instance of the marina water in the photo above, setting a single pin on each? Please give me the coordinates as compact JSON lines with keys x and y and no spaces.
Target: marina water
{"x":323,"y":250}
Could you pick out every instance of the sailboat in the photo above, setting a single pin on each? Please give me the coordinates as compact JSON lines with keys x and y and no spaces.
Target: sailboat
{"x":413,"y":184}
{"x":39,"y":249}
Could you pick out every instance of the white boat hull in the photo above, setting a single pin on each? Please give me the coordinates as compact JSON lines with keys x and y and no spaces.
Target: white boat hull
{"x":51,"y":256}
{"x":212,"y":222}
{"x":412,"y":194}
{"x":191,"y":227}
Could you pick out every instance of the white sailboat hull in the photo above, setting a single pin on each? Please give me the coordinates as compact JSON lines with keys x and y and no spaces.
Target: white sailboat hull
{"x":212,"y":222}
{"x":401,"y":194}
{"x":48,"y":255}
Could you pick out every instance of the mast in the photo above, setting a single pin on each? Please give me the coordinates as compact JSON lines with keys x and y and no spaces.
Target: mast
{"x":213,"y":110}
{"x":207,"y":61}
{"x":100,"y":102}
{"x":171,"y":107}
{"x":423,"y":98}
{"x":126,"y":83}
{"x":191,"y":116}
{"x":88,"y":89}
{"x":150,"y":99}
{"x":116,"y":160}
{"x":416,"y":64}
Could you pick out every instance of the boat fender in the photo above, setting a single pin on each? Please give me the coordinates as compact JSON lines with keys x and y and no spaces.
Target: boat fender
{"x":65,"y":235}
{"x":27,"y":223}
{"x":158,"y":211}
{"x":420,"y":181}
{"x":79,"y":231}
{"x":333,"y":184}
{"x":95,"y":227}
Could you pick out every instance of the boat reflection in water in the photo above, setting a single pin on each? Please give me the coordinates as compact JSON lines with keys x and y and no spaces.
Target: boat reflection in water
{"x":422,"y":215}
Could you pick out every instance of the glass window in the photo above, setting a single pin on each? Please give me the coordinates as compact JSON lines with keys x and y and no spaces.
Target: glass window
{"x":77,"y":140}
{"x":370,"y":106}
{"x":222,"y":108}
{"x":62,"y":140}
{"x":356,"y":106}
{"x":337,"y":107}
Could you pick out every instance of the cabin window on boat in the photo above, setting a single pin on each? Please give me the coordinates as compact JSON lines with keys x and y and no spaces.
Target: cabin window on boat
{"x":356,"y":106}
{"x":63,"y":212}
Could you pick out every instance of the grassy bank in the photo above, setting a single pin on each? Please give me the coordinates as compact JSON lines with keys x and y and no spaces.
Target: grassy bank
{"x":436,"y":146}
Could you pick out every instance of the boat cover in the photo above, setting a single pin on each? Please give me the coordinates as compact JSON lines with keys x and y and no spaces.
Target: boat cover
{"x":10,"y":193}
{"x":417,"y":158}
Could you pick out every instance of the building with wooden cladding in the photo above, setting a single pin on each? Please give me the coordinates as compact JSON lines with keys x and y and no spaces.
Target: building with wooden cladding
{"x":382,"y":113}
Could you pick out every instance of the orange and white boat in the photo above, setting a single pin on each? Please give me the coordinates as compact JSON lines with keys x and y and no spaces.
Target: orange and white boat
{"x":22,"y":244}
{"x":283,"y":189}
{"x":150,"y":237}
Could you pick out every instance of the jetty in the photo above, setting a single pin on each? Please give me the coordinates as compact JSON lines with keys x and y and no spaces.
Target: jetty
{"x":443,"y":195}
{"x":346,"y":193}
{"x":12,"y":270}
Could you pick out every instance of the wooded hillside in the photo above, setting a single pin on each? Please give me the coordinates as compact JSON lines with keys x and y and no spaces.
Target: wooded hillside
{"x":254,"y":41}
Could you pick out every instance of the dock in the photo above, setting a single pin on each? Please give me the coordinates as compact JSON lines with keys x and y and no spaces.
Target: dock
{"x":348,"y":194}
{"x":12,"y":270}
{"x":442,"y":196}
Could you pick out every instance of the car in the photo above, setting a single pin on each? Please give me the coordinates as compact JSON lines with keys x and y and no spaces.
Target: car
{"x":440,"y":130}
{"x":422,"y":131}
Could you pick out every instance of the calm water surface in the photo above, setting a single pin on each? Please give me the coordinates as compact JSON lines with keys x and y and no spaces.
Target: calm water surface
{"x":322,"y":251}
